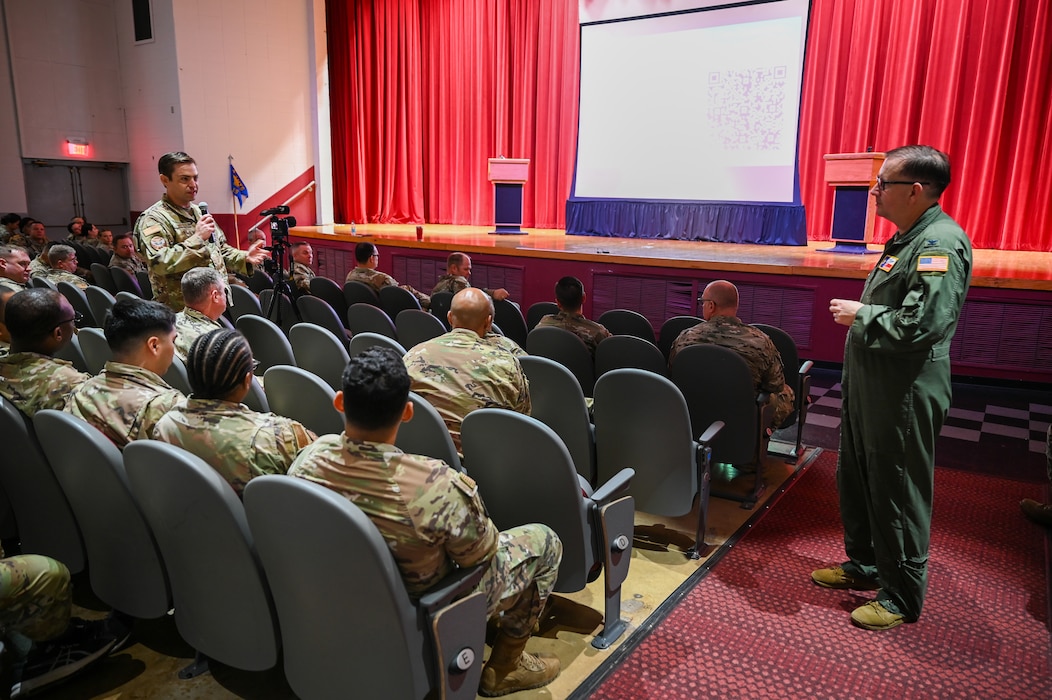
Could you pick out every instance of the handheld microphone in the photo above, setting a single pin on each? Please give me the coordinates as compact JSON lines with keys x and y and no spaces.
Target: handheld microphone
{"x":203,"y":206}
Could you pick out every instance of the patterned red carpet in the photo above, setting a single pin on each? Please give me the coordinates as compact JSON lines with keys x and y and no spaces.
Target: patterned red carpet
{"x":756,"y":627}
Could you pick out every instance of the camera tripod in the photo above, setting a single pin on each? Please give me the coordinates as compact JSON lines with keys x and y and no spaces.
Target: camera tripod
{"x":273,"y":311}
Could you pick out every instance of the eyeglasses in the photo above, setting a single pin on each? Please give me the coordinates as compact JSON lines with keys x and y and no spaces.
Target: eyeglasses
{"x":882,"y":184}
{"x":706,"y":301}
{"x":77,"y":318}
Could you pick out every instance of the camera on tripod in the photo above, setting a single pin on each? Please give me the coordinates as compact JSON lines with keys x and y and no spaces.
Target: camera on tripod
{"x":279,"y":237}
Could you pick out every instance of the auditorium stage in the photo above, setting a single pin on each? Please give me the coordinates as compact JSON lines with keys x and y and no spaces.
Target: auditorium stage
{"x":1005,"y":332}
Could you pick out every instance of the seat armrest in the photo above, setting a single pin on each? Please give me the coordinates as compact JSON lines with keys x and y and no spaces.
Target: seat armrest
{"x":762,"y":398}
{"x":710,"y":433}
{"x":614,"y":487}
{"x":805,"y":368}
{"x":456,"y":585}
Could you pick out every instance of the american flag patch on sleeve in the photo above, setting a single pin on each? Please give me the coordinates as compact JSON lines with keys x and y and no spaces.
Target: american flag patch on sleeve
{"x":933,"y":263}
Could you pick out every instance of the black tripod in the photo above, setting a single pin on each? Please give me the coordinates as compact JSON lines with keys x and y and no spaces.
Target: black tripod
{"x":281,"y":287}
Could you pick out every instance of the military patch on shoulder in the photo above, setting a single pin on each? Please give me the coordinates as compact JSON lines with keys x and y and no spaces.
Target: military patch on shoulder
{"x":466,"y":484}
{"x":887,"y":263}
{"x":933,"y":263}
{"x":158,"y":242}
{"x":151,"y":229}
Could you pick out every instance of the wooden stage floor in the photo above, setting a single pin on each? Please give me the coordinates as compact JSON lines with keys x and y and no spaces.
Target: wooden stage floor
{"x":1021,"y":270}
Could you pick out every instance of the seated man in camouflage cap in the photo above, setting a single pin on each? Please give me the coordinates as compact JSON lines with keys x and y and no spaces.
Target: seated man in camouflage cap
{"x":62,"y":266}
{"x":41,"y":322}
{"x":368,"y":258}
{"x":128,"y":397}
{"x":213,"y":424}
{"x":570,"y":296}
{"x":204,"y":292}
{"x":432,"y":517}
{"x":722,"y":327}
{"x":463,"y":370}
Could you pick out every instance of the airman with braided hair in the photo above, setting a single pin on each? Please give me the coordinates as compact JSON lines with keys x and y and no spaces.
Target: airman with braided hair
{"x":213,"y":424}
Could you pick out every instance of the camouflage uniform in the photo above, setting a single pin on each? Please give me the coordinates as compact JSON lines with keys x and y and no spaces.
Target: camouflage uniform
{"x":38,"y":266}
{"x":506,"y":343}
{"x":759,"y":353}
{"x":124,"y":402}
{"x":588,"y":331}
{"x":189,"y":324}
{"x":55,"y":276}
{"x":36,"y":599}
{"x":459,"y":372}
{"x":238,"y":442}
{"x":300,"y":275}
{"x":378,"y":280}
{"x":35,"y":249}
{"x":450,"y":283}
{"x":166,"y":239}
{"x":33,"y":382}
{"x":132,"y":264}
{"x":11,"y":284}
{"x":433,"y":519}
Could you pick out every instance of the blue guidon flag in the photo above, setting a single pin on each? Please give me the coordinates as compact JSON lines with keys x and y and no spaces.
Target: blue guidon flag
{"x":237,"y":186}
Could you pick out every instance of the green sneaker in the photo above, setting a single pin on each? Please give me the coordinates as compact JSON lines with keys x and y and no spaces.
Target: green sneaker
{"x":836,"y":577}
{"x":874,"y":616}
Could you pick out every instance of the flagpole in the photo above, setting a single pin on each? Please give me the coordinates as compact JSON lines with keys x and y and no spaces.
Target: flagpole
{"x":233,"y":202}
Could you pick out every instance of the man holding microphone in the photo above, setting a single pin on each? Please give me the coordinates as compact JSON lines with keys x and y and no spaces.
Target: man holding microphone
{"x":175,"y":235}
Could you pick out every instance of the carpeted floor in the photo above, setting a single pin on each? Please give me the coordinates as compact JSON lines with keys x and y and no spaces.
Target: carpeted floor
{"x":757,"y":627}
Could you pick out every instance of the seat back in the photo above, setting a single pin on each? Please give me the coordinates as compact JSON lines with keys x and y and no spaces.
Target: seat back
{"x":256,"y":399}
{"x":318,"y":352}
{"x":557,"y":401}
{"x":331,"y":293}
{"x":367,"y":318}
{"x":439,"y":308}
{"x":671,"y":329}
{"x":297,"y":394}
{"x":259,"y":280}
{"x":509,"y":318}
{"x":394,"y":300}
{"x":41,"y":283}
{"x":355,"y":292}
{"x":143,"y":278}
{"x":628,"y":351}
{"x":791,"y":365}
{"x":72,"y":352}
{"x":642,"y":422}
{"x":627,"y":322}
{"x":127,"y":571}
{"x":223,"y":607}
{"x":101,"y":274}
{"x":537,"y":311}
{"x":364,"y":340}
{"x":46,"y":524}
{"x":283,"y":312}
{"x":318,"y":312}
{"x":567,"y":349}
{"x":525,"y":475}
{"x":243,"y":302}
{"x":124,"y":281}
{"x":415,"y":326}
{"x":176,"y":376}
{"x":717,"y":385}
{"x":100,"y":301}
{"x":333,"y":651}
{"x":95,"y":348}
{"x":426,"y":434}
{"x":269,"y":345}
{"x":77,"y":299}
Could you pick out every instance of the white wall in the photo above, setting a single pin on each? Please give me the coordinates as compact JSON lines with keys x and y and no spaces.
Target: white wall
{"x":67,"y":78}
{"x":12,"y":183}
{"x":245,"y":79}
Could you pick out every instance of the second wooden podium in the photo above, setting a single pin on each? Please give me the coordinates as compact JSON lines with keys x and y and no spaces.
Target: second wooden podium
{"x":852,"y":175}
{"x":508,"y":176}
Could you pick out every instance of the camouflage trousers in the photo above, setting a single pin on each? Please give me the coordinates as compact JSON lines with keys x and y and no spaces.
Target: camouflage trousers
{"x":521,"y":576}
{"x":783,"y":403}
{"x":35,"y":597}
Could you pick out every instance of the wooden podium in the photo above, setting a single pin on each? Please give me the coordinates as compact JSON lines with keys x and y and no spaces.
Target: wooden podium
{"x":508,"y":176}
{"x":852,"y":175}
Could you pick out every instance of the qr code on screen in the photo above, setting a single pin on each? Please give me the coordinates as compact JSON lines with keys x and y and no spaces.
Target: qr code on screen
{"x":747,"y":107}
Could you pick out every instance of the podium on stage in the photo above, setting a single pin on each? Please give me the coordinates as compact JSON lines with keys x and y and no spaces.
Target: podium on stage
{"x":508,"y":176}
{"x":852,"y":175}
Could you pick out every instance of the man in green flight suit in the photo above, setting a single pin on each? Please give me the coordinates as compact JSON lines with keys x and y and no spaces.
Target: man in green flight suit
{"x":173,"y":235}
{"x":896,"y":389}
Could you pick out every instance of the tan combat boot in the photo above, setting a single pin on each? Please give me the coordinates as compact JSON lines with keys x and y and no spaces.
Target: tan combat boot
{"x":511,"y":668}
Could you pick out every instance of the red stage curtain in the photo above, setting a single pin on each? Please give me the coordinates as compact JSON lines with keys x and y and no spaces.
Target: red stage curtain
{"x":424,"y":91}
{"x":972,"y":78}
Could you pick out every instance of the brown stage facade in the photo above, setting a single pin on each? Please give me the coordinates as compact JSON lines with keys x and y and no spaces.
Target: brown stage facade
{"x":1005,"y":330}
